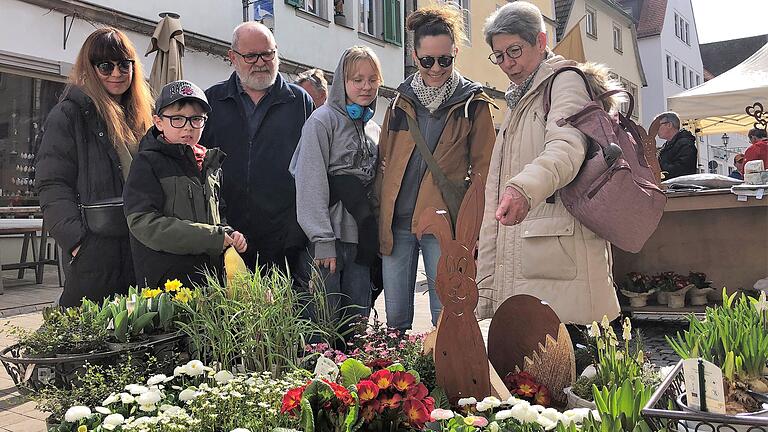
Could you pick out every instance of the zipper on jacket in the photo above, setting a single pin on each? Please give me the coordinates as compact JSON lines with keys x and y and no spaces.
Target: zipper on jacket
{"x":192,"y":200}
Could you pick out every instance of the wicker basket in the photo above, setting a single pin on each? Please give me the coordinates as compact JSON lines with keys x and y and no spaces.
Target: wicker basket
{"x":662,"y":411}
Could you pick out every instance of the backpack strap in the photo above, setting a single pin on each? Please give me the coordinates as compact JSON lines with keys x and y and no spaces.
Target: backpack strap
{"x":548,"y":88}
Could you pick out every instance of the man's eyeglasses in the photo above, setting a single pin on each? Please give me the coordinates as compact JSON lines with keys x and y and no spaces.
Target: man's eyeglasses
{"x":443,"y":61}
{"x":252,"y":58}
{"x":512,"y":51}
{"x":179,"y":121}
{"x":106,"y":67}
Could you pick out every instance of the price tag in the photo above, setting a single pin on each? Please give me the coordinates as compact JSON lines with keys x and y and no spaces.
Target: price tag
{"x":741,"y":198}
{"x":704,"y":386}
{"x":759,"y":194}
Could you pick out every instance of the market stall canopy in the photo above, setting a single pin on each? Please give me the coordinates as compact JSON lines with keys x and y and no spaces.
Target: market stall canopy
{"x":168,"y":41}
{"x":718,"y":105}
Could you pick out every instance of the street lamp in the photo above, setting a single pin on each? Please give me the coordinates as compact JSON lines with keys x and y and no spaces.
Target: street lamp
{"x":725,"y":139}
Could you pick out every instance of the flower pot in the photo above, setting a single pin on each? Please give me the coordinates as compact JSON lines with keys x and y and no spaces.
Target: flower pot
{"x":576,"y":401}
{"x":676,"y":300}
{"x":637,"y":299}
{"x":124,"y":346}
{"x":692,"y":425}
{"x":662,"y":297}
{"x":699,"y":296}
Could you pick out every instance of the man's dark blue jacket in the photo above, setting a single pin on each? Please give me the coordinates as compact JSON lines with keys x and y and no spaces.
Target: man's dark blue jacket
{"x":259,"y":191}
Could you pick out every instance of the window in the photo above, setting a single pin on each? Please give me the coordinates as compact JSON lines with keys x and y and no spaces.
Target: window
{"x":617,"y":38}
{"x":690,"y":79}
{"x":635,"y":108}
{"x":685,"y":77}
{"x":24,"y":104}
{"x":698,"y":79}
{"x":315,"y":7}
{"x":669,"y":67}
{"x":591,"y":22}
{"x":381,"y":19}
{"x":677,"y":26}
{"x":687,"y":35}
{"x":682,"y":29}
{"x":677,"y":72}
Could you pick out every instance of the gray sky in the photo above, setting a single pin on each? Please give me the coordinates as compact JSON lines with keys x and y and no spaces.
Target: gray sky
{"x":731,"y":19}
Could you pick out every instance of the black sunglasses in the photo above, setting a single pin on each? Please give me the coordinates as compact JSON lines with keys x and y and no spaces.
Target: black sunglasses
{"x":443,"y":61}
{"x":512,"y":51}
{"x":254,"y":57}
{"x":179,"y":121}
{"x":106,"y":67}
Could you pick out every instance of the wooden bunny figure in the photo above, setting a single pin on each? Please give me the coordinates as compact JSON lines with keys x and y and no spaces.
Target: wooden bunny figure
{"x":461,"y":361}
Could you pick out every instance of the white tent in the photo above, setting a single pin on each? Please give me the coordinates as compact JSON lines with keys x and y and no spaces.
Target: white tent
{"x":718,"y":105}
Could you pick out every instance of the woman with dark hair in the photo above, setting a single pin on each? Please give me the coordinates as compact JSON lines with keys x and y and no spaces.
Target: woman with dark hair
{"x":89,"y":141}
{"x":453,"y":118}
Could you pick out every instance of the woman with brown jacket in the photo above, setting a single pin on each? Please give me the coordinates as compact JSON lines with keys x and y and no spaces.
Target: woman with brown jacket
{"x":453,"y":117}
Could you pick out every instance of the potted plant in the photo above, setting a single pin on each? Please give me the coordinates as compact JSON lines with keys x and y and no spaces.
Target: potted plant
{"x":672,"y":288}
{"x":638,"y":288}
{"x":701,"y":288}
{"x":734,"y":337}
{"x":130,"y":318}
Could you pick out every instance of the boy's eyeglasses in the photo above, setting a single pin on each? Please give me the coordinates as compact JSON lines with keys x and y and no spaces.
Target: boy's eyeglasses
{"x":179,"y":121}
{"x":106,"y":67}
{"x":443,"y":61}
{"x":252,"y":58}
{"x":512,"y":51}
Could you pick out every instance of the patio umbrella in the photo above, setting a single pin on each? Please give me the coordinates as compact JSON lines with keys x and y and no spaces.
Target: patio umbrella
{"x":168,"y":41}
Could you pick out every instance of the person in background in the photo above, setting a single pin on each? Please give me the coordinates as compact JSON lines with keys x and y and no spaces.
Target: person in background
{"x":453,"y":116}
{"x":88,"y":144}
{"x":334,"y":166}
{"x":172,"y":195}
{"x":256,"y":119}
{"x":313,"y":81}
{"x":758,"y":150}
{"x":679,"y":155}
{"x":738,"y":162}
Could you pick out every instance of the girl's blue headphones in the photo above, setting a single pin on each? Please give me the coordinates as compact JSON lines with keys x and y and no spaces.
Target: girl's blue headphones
{"x":357,"y":112}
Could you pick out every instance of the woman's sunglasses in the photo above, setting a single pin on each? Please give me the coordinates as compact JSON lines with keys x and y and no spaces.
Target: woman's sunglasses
{"x":443,"y":61}
{"x":106,"y":67}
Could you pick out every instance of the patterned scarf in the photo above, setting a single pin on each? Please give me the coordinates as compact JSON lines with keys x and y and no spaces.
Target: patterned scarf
{"x":516,"y":92}
{"x":433,"y":97}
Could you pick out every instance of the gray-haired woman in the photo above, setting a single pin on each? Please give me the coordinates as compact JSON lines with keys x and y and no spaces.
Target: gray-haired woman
{"x":529,"y":243}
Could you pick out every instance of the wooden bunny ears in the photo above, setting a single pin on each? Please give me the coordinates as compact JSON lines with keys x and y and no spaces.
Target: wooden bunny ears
{"x":470,"y":217}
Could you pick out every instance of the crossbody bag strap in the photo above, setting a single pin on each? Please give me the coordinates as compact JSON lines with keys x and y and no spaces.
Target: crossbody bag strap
{"x":439,"y":175}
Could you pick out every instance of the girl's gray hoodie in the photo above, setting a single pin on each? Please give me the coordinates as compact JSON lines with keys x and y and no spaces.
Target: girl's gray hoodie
{"x":331,"y":144}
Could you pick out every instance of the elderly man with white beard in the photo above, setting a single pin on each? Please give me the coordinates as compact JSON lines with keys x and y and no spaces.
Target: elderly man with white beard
{"x":256,"y":119}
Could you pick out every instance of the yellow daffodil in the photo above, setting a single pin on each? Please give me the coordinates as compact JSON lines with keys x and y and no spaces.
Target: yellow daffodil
{"x":184,"y":295}
{"x":172,"y":285}
{"x":151,"y":293}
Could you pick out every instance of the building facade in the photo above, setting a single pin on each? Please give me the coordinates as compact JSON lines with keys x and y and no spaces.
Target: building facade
{"x":609,"y":37}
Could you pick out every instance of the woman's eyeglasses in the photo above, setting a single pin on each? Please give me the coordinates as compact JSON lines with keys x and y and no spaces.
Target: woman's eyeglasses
{"x":443,"y":61}
{"x":179,"y":121}
{"x":512,"y":51}
{"x":106,"y":67}
{"x":252,"y":58}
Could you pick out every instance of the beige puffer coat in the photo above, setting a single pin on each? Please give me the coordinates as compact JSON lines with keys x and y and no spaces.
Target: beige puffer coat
{"x":549,"y":255}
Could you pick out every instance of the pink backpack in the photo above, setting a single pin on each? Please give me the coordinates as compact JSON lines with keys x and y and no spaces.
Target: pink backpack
{"x":614,"y":194}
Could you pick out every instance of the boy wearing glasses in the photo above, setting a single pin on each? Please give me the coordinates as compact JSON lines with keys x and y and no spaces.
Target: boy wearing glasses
{"x":171,"y":195}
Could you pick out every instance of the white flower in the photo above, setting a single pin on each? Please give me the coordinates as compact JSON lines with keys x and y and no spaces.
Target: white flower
{"x":546,"y":423}
{"x":441,"y":414}
{"x":483,"y":406}
{"x":524,"y":413}
{"x":188,"y":394}
{"x":112,"y":421}
{"x":77,"y":413}
{"x":494,"y":427}
{"x":178,"y":371}
{"x":503,"y":414}
{"x":102,"y":410}
{"x":627,"y":335}
{"x":594,"y":330}
{"x":223,"y":377}
{"x":126,"y":398}
{"x":551,"y":414}
{"x":492,"y":401}
{"x":149,"y":398}
{"x":596,"y":415}
{"x":513,"y":401}
{"x":111,"y":399}
{"x":761,"y":304}
{"x":606,"y":323}
{"x":467,"y":401}
{"x":136,"y":389}
{"x":194,"y":368}
{"x":157,"y":379}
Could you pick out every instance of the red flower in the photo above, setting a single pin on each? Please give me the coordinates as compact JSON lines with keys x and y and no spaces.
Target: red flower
{"x":543,"y":396}
{"x":382,"y":378}
{"x":341,"y":393}
{"x":367,"y":390}
{"x":429,"y":403}
{"x":416,"y":413}
{"x":370,"y":410}
{"x":379,"y":364}
{"x":292,"y":399}
{"x":392,"y":401}
{"x":417,"y":392}
{"x":527,"y":389}
{"x":403,"y":381}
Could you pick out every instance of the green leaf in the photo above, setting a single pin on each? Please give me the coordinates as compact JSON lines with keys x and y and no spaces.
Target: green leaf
{"x":351,"y":419}
{"x":441,"y":399}
{"x":307,"y":418}
{"x":121,"y":326}
{"x":141,"y":322}
{"x":396,"y":367}
{"x":165,"y":308}
{"x":352,"y":371}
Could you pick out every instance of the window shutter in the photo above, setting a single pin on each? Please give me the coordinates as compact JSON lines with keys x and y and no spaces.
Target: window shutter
{"x":295,"y":3}
{"x":393,"y":27}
